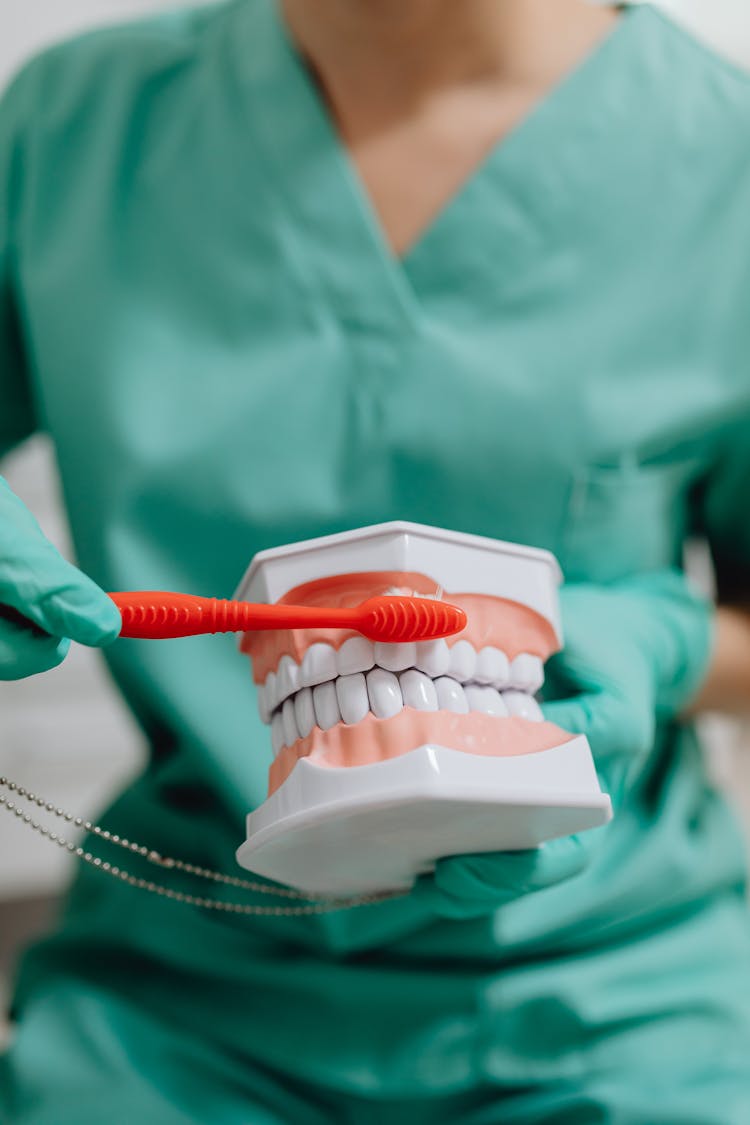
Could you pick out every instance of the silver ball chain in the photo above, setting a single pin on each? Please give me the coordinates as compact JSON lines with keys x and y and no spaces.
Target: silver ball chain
{"x":322,"y":906}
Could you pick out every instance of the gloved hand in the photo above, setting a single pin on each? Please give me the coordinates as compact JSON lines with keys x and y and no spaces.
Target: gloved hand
{"x":635,"y":652}
{"x":472,"y":886}
{"x":45,"y":602}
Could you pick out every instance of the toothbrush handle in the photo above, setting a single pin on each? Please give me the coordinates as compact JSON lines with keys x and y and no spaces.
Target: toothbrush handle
{"x":159,"y":615}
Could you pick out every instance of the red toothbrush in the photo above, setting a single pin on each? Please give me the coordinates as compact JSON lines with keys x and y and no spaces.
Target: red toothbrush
{"x":157,"y":615}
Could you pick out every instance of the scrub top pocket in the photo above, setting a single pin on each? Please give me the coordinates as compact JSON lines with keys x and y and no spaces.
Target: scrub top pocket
{"x":626,"y":518}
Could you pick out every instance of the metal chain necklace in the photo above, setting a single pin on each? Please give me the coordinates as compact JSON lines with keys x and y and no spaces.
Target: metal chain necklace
{"x":306,"y":905}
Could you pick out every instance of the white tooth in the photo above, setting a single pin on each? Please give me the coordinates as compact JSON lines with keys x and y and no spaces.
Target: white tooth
{"x":494,"y":702}
{"x":463,"y":661}
{"x":263,"y":709}
{"x":493,"y":667}
{"x":326,"y":705}
{"x":355,"y":655}
{"x":351,"y":693}
{"x":523,"y":705}
{"x":289,"y":723}
{"x":485,"y":699}
{"x":287,"y":676}
{"x":384,"y":692}
{"x":318,"y":665}
{"x":395,"y":657}
{"x":304,"y":712}
{"x":418,"y":690}
{"x":527,"y":673}
{"x":277,"y":733}
{"x":270,"y":686}
{"x":451,"y":696}
{"x":433,"y":658}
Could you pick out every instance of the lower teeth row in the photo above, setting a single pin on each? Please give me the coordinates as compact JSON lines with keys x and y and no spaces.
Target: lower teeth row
{"x":349,"y":699}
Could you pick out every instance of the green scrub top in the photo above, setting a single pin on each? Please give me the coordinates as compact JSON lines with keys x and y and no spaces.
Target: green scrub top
{"x":198,"y":304}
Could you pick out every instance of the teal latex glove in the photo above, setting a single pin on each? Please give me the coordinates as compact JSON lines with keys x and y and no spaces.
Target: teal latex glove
{"x":45,"y":602}
{"x":635,"y":654}
{"x":472,"y":886}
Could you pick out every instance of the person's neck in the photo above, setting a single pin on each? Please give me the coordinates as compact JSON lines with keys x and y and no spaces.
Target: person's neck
{"x":381,"y":52}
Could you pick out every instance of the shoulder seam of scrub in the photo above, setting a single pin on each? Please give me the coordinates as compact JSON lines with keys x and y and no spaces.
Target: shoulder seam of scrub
{"x":164,"y":38}
{"x":57,"y":81}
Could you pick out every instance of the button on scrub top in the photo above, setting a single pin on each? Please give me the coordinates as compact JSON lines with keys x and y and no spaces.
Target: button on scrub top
{"x":198,"y":303}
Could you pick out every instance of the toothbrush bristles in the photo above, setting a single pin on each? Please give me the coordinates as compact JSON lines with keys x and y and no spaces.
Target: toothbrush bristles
{"x":396,"y":619}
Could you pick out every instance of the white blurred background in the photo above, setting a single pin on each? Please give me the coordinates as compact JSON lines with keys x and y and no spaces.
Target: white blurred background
{"x":66,"y":734}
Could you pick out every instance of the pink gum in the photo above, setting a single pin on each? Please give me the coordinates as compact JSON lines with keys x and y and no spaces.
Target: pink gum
{"x":376,"y":740}
{"x":506,"y":625}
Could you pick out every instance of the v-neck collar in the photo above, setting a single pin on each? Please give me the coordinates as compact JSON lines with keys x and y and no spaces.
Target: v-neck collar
{"x":527,"y":175}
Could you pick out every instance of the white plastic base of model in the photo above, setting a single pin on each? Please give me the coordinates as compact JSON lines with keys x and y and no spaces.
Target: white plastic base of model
{"x":331,"y":832}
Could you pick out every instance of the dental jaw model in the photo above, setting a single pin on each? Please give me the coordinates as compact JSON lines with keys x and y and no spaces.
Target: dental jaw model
{"x":388,"y":757}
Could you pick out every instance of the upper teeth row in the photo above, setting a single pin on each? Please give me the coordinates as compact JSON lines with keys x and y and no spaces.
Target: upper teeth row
{"x":461,"y":661}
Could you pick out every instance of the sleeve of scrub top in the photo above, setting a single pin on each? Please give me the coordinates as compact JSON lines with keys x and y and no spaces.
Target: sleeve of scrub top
{"x":16,"y":411}
{"x":724,"y":515}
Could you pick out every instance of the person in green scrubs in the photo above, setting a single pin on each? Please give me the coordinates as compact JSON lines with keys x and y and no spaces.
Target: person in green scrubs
{"x":273,"y":271}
